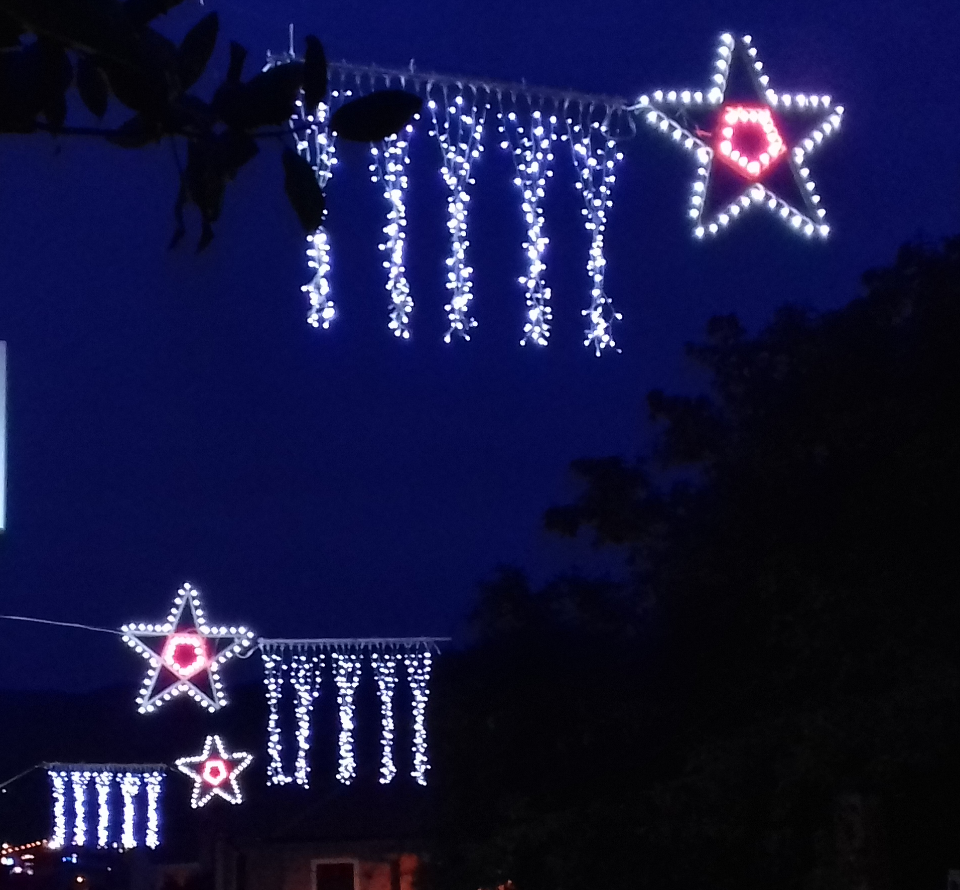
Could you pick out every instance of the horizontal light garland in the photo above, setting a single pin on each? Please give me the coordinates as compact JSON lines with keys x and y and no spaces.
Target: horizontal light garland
{"x":106,"y":777}
{"x":304,"y":660}
{"x":595,"y":126}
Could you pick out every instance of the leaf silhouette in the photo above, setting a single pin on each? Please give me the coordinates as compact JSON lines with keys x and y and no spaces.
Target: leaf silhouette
{"x":92,"y":86}
{"x":194,"y":52}
{"x":375,"y":116}
{"x":303,"y":190}
{"x":141,"y":12}
{"x":238,"y":56}
{"x":264,"y":100}
{"x":314,"y":74}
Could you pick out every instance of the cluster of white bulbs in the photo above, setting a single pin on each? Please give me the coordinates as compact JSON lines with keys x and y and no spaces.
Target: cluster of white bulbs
{"x":104,"y":779}
{"x":385,"y":668}
{"x":532,"y":155}
{"x":317,"y":144}
{"x":390,"y":160}
{"x":305,"y":678}
{"x":288,"y":662}
{"x":346,"y":674}
{"x":595,"y":155}
{"x":459,"y":131}
{"x":273,"y":670}
{"x":418,"y":666}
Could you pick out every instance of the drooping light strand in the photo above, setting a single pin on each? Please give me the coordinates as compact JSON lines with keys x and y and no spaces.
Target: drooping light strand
{"x":273,"y":670}
{"x":154,"y":783}
{"x":305,"y":677}
{"x":78,"y":783}
{"x":385,"y":669}
{"x":59,"y":782}
{"x":102,"y":782}
{"x":346,"y":674}
{"x":418,"y":666}
{"x":595,"y":155}
{"x":458,"y":127}
{"x":317,"y":143}
{"x":129,"y":788}
{"x":532,"y":152}
{"x":72,"y":818}
{"x":390,"y":160}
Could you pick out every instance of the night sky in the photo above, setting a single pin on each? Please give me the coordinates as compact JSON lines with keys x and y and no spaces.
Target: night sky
{"x":172,"y":417}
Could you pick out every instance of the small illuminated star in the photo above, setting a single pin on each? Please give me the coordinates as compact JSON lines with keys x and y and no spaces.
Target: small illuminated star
{"x":214,"y":773}
{"x":186,"y":654}
{"x":761,"y":139}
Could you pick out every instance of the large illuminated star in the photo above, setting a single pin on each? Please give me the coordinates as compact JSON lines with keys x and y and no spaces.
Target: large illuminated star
{"x":214,"y":773}
{"x":751,"y":143}
{"x":185,"y":654}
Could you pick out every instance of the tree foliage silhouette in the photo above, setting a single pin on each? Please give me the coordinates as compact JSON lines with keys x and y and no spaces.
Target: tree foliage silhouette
{"x":106,"y":48}
{"x":769,"y":696}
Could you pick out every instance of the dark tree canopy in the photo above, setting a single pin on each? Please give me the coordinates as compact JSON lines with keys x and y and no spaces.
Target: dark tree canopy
{"x":110,"y":48}
{"x":769,"y":697}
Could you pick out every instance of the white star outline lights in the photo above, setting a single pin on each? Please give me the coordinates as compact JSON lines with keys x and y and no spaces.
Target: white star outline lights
{"x":214,"y":774}
{"x":662,"y":109}
{"x":188,"y":652}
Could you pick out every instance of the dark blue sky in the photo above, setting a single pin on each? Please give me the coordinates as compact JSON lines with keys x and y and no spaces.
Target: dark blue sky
{"x":173,"y":418}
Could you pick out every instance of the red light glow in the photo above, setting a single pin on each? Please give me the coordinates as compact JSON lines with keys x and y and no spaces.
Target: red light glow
{"x":215,"y":771}
{"x":748,"y":139}
{"x":185,"y":654}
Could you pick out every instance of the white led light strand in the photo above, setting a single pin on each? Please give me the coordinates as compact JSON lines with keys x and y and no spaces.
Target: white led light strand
{"x":273,"y":670}
{"x":78,"y":782}
{"x":390,"y":160}
{"x":59,"y":782}
{"x":128,"y":778}
{"x":305,"y":678}
{"x":532,"y":152}
{"x":458,"y":127}
{"x":595,"y":155}
{"x":154,"y":783}
{"x":317,"y":143}
{"x":385,"y":669}
{"x":129,"y":788}
{"x":102,"y":782}
{"x":418,"y":666}
{"x":346,"y":674}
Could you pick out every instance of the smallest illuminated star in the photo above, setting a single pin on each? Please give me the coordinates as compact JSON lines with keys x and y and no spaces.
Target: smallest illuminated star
{"x":185,"y":654}
{"x":214,"y":773}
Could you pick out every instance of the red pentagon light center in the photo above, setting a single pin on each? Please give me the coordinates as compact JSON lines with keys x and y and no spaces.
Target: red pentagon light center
{"x":215,"y":772}
{"x":748,"y":140}
{"x":185,"y":654}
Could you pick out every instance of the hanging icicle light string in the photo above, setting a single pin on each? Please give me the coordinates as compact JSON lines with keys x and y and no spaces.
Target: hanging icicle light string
{"x":389,"y":170}
{"x":457,"y":124}
{"x":71,"y":824}
{"x":595,"y":155}
{"x":299,"y":665}
{"x":532,"y":152}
